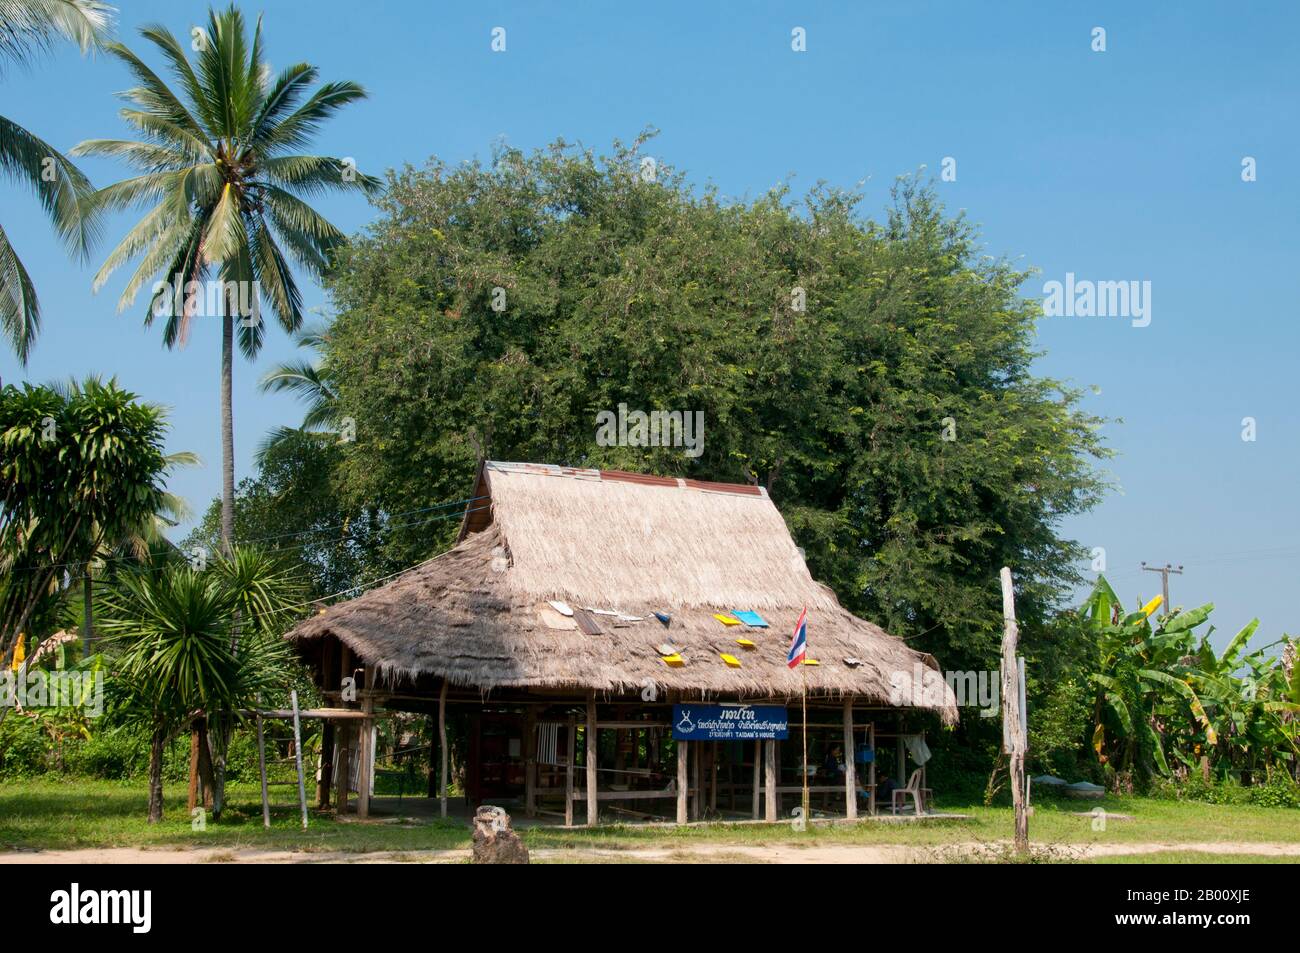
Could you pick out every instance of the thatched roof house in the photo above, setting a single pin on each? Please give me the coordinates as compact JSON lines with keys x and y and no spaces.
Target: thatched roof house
{"x":625,"y":546}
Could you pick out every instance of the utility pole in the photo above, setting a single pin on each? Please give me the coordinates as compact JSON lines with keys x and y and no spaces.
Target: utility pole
{"x":1164,"y":571}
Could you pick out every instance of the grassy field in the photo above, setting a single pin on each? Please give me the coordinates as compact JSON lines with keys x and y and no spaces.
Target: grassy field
{"x":94,"y":814}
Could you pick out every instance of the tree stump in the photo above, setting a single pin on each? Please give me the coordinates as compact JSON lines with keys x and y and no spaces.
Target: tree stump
{"x":495,"y":842}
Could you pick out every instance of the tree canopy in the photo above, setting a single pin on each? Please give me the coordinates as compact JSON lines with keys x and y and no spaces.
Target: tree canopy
{"x":874,"y":376}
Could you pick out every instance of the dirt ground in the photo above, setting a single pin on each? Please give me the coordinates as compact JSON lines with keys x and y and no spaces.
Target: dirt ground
{"x":681,"y":853}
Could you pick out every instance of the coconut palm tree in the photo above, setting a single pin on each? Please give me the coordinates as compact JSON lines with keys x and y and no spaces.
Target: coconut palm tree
{"x":224,"y":183}
{"x":27,"y":29}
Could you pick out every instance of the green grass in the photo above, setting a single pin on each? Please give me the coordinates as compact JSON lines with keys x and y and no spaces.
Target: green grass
{"x":44,"y":814}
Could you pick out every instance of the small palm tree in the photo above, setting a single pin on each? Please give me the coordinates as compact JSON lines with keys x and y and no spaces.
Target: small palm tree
{"x":28,"y":28}
{"x":179,"y":662}
{"x":224,"y":182}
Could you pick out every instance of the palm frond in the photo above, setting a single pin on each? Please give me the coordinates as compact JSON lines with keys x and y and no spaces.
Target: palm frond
{"x":20,"y":313}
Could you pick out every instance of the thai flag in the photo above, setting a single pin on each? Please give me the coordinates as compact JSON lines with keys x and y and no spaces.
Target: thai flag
{"x":799,"y":643}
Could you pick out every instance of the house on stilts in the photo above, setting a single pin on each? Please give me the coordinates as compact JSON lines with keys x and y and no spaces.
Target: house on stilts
{"x":612,"y":646}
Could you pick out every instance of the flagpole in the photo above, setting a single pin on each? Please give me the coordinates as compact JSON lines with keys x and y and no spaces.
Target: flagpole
{"x":803,"y":697}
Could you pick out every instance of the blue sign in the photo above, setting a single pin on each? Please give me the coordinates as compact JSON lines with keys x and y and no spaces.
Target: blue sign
{"x":730,"y":722}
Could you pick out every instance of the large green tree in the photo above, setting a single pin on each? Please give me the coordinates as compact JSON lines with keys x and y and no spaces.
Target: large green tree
{"x":875,"y":376}
{"x":29,"y":28}
{"x":224,"y":182}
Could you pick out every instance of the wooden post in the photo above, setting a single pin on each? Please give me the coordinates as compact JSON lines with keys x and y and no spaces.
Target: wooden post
{"x":442,"y":748}
{"x":297,"y":753}
{"x":568,"y":771}
{"x":530,"y":761}
{"x":683,"y":782}
{"x":593,"y":805}
{"x":697,"y":781}
{"x":758,"y":775}
{"x":871,"y":772}
{"x":769,"y":763}
{"x":326,"y":764}
{"x":1013,"y":733}
{"x":261,"y":767}
{"x":850,"y":764}
{"x":900,"y":770}
{"x":366,"y":752}
{"x":342,"y":769}
{"x":713,"y":778}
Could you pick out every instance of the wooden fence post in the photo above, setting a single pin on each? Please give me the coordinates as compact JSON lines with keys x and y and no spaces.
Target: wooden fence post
{"x":1013,"y":732}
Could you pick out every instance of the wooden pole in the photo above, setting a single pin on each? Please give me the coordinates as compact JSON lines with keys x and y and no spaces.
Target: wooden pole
{"x":261,"y":768}
{"x":367,"y":754}
{"x":850,"y":764}
{"x":326,"y":765}
{"x":297,"y":753}
{"x":871,"y":772}
{"x":442,"y":748}
{"x":568,"y":771}
{"x":683,"y":782}
{"x":697,"y":780}
{"x":530,"y":762}
{"x":1013,"y":733}
{"x":343,"y":769}
{"x":593,"y":805}
{"x":758,"y":776}
{"x":769,"y":764}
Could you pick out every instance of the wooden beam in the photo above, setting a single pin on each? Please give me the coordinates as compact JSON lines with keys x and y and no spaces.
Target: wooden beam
{"x":568,"y":771}
{"x":850,"y":764}
{"x":683,"y":782}
{"x":592,"y":732}
{"x":442,"y":749}
{"x":769,"y":763}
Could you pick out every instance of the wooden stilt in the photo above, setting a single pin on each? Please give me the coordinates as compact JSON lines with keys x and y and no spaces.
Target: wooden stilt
{"x":769,"y":763}
{"x":343,"y":769}
{"x":871,"y":772}
{"x":568,"y":771}
{"x":442,"y":749}
{"x":530,"y":762}
{"x":697,"y":781}
{"x":683,"y":782}
{"x":366,"y":754}
{"x":850,"y":765}
{"x":593,"y":804}
{"x":326,"y":765}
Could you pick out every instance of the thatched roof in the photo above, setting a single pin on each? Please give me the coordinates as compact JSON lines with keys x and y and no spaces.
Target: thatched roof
{"x":478,"y":615}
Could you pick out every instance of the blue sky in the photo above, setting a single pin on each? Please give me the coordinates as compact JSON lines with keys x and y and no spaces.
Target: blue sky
{"x":1115,"y":165}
